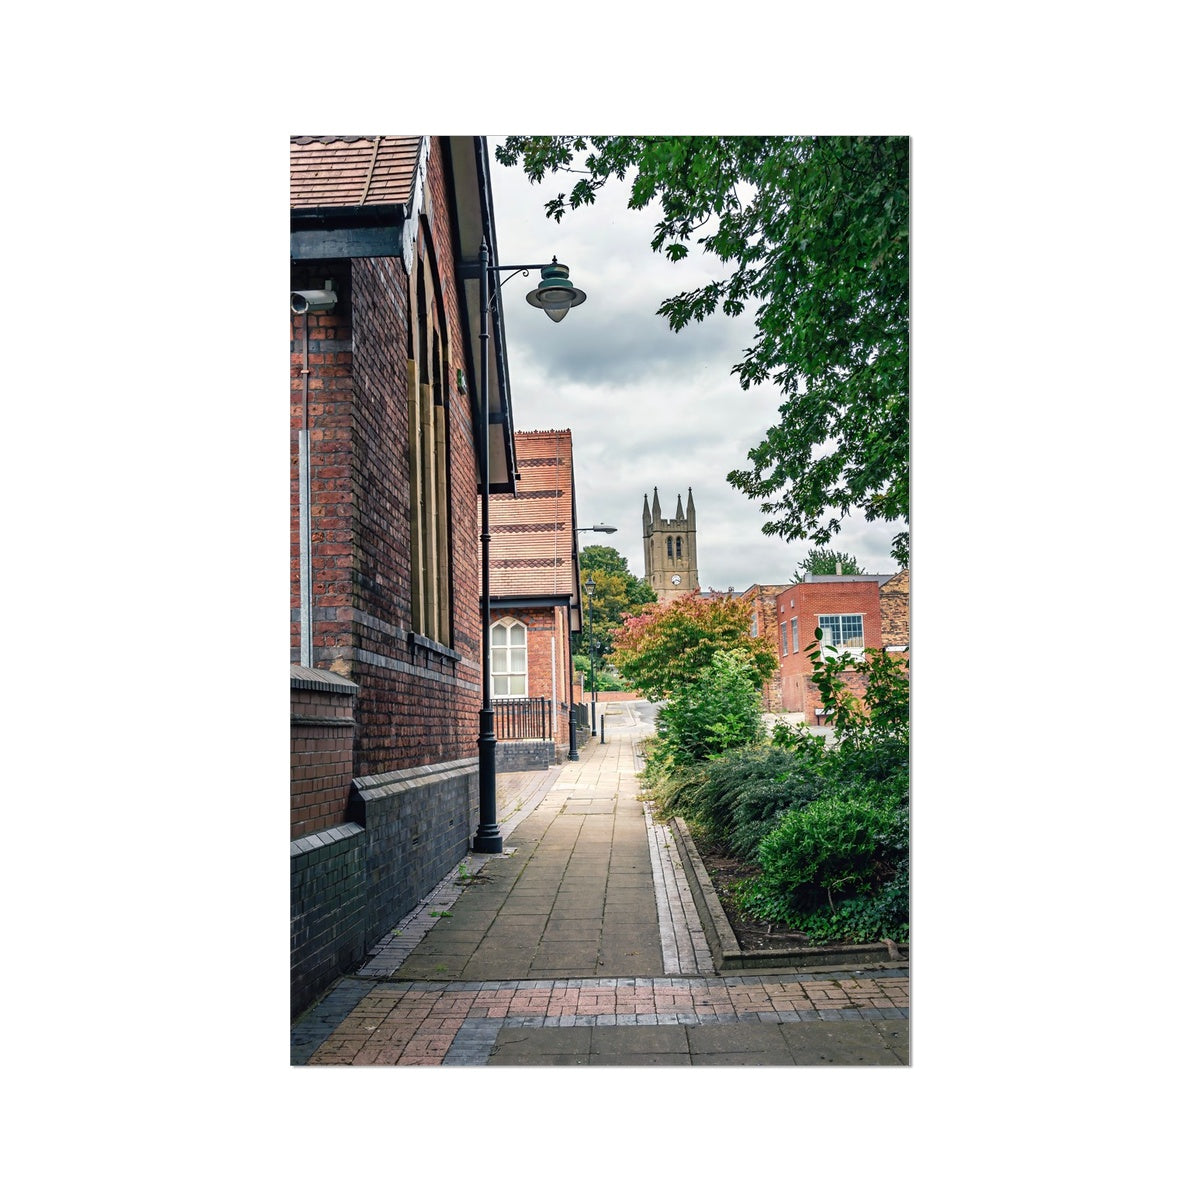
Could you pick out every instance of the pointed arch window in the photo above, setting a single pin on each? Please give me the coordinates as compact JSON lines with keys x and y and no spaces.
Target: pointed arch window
{"x":679,"y":547}
{"x":428,"y":452}
{"x":510,"y":658}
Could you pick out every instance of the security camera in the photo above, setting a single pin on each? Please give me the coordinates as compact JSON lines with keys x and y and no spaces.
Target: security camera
{"x":320,"y":300}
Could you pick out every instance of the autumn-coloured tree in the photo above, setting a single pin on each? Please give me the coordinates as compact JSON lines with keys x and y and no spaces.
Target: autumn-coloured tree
{"x":668,"y":646}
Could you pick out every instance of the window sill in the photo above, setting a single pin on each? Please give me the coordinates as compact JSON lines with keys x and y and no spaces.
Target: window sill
{"x":418,"y":641}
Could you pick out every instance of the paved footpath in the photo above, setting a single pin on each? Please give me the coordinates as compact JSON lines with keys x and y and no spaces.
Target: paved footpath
{"x":579,"y":944}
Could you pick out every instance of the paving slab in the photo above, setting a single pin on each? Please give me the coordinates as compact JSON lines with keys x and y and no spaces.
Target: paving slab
{"x":859,"y":1043}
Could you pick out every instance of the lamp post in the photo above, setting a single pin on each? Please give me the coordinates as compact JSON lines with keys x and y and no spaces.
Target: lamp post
{"x":590,"y":587}
{"x":555,"y":296}
{"x":573,"y":754}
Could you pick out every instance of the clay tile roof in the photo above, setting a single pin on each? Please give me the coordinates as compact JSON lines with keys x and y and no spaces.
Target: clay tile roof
{"x":533,"y":532}
{"x":353,"y":171}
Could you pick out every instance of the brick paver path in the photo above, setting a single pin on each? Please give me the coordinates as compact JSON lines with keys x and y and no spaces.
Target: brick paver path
{"x":847,"y":1017}
{"x":581,"y":944}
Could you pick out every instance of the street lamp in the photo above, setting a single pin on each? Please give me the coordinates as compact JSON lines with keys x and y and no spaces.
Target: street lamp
{"x":555,"y":296}
{"x":573,"y":753}
{"x":590,"y":587}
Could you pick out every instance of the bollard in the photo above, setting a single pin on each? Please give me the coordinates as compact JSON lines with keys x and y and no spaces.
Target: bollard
{"x":602,"y":729}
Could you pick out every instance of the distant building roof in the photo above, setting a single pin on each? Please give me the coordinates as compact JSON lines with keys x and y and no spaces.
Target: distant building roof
{"x":880,"y":579}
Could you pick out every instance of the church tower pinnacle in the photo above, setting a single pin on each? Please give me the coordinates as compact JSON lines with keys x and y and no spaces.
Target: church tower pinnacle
{"x":670,"y":548}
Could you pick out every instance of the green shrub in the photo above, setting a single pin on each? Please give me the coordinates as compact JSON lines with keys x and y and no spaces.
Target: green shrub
{"x":860,"y":919}
{"x":720,"y":710}
{"x":668,"y":783}
{"x":744,"y":791}
{"x":825,"y":850}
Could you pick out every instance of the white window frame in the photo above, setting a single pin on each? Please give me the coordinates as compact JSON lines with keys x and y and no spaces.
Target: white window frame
{"x":502,"y":652}
{"x":839,"y":643}
{"x":783,"y":638}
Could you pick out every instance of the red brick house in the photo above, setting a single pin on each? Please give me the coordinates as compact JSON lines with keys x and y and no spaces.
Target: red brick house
{"x":535,"y":602}
{"x":763,"y":602}
{"x":385,"y":605}
{"x":846,"y":608}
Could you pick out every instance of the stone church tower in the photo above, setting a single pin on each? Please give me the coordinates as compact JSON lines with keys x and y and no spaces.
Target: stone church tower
{"x":670,"y":547}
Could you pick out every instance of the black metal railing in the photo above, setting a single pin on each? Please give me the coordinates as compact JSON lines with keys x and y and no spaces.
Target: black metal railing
{"x":519,"y":718}
{"x":581,"y":715}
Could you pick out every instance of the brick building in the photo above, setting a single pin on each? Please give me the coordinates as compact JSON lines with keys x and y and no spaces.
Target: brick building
{"x":847,"y":608}
{"x":893,"y":611}
{"x":386,"y":630}
{"x":763,"y":603}
{"x":535,"y":600}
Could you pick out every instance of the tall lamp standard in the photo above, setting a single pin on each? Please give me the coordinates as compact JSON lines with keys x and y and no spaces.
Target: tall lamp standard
{"x":573,"y":754}
{"x":555,"y":296}
{"x":589,"y":586}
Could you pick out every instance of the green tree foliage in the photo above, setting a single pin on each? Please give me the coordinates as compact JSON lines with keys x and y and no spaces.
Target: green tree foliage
{"x":882,"y":713}
{"x":668,"y":646}
{"x":605,"y":681}
{"x":825,"y":562}
{"x":619,"y":594}
{"x":815,"y":233}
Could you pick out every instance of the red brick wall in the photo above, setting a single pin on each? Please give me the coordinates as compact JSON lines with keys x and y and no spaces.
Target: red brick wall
{"x":322,"y":759}
{"x":763,"y":602}
{"x":416,"y":704}
{"x":806,"y":602}
{"x":330,"y":413}
{"x":548,"y":658}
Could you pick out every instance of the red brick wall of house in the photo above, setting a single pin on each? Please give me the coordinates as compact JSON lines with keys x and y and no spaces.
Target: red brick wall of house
{"x":416,"y":704}
{"x":806,"y":602}
{"x":548,"y":643}
{"x":763,"y":600}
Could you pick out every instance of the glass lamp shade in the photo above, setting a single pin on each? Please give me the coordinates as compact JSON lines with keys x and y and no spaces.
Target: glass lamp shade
{"x":555,"y":295}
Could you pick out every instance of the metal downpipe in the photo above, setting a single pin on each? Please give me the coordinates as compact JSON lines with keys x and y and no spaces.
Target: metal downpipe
{"x":305,"y":533}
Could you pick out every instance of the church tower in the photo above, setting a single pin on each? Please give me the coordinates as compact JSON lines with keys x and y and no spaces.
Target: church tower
{"x":670,"y":548}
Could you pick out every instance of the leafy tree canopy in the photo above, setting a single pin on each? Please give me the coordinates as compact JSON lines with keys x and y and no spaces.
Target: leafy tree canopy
{"x":825,"y":562}
{"x":618,"y":594}
{"x":670,"y":646}
{"x":815,"y":231}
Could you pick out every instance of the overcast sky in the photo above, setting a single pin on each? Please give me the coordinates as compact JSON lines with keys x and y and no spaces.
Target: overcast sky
{"x":647,"y":407}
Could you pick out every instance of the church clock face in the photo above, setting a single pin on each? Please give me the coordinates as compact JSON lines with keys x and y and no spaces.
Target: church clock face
{"x":676,"y":580}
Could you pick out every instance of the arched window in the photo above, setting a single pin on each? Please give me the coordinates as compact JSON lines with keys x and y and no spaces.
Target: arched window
{"x":679,"y":547}
{"x":428,"y":472}
{"x":510,"y":665}
{"x":670,"y":549}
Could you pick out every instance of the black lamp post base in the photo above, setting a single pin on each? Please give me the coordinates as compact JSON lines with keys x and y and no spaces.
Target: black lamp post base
{"x":488,"y":839}
{"x":488,"y":842}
